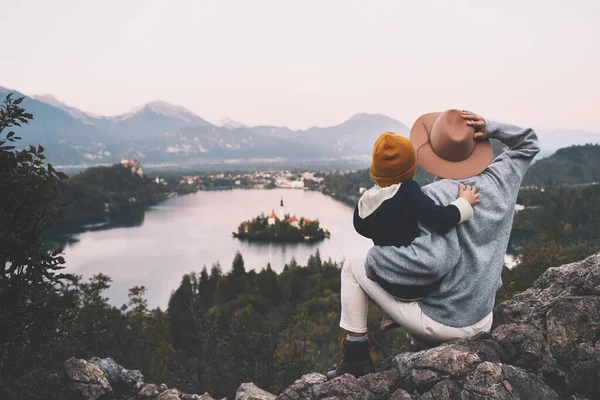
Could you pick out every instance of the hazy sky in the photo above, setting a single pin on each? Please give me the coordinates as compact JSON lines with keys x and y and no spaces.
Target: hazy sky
{"x":306,"y":63}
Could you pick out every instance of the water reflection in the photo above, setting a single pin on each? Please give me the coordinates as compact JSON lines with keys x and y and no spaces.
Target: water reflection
{"x":65,"y":233}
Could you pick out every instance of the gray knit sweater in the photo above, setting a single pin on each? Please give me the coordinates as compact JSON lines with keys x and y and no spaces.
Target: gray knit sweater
{"x":469,"y":257}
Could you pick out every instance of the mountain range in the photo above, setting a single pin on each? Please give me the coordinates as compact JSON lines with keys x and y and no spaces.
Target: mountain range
{"x":159,"y":133}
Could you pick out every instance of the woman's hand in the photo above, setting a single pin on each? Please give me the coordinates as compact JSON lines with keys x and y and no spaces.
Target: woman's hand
{"x":476,"y":122}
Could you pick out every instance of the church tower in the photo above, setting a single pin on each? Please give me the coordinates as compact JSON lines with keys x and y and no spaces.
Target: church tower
{"x":281,"y":213}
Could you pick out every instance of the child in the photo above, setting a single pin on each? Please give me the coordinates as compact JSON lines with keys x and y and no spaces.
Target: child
{"x":389,"y":212}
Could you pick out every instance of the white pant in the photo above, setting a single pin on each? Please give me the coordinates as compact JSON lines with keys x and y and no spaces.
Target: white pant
{"x":355,"y":288}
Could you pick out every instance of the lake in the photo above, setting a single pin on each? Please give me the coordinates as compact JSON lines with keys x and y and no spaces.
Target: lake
{"x":157,"y":247}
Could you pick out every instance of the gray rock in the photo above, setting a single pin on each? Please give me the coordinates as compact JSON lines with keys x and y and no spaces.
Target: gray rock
{"x":524,"y":346}
{"x":577,"y":397}
{"x":249,"y":391}
{"x":444,"y":390}
{"x":424,"y":379}
{"x":486,"y":348}
{"x":404,"y":363}
{"x":572,"y":320}
{"x":530,"y":306}
{"x":487,"y":380}
{"x":524,"y":385}
{"x":205,"y":396}
{"x":120,"y":378}
{"x":453,"y":359}
{"x":380,"y":383}
{"x":148,"y":391}
{"x":170,"y":394}
{"x":301,"y":388}
{"x":344,"y":387}
{"x":584,"y":368}
{"x":85,"y":380}
{"x":400,"y":394}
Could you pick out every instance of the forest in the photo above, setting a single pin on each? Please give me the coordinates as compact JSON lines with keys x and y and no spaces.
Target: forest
{"x":570,"y":165}
{"x":113,"y":189}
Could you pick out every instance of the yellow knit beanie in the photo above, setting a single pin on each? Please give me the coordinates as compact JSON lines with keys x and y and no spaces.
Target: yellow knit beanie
{"x":394,"y":159}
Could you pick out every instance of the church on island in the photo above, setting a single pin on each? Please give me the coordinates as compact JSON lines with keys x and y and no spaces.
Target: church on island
{"x":280,"y":216}
{"x":281,"y":227}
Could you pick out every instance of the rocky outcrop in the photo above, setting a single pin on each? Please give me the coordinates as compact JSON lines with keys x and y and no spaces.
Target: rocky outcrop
{"x":106,"y":380}
{"x":545,"y":345}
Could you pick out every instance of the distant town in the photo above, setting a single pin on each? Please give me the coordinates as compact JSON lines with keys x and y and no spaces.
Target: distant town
{"x":254,"y":180}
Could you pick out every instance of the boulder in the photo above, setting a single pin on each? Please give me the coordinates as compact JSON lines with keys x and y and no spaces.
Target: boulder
{"x":380,"y":383}
{"x":85,"y":380}
{"x":169,"y":394}
{"x":249,"y":391}
{"x":105,"y":379}
{"x":302,"y":388}
{"x":343,"y":387}
{"x":121,"y":379}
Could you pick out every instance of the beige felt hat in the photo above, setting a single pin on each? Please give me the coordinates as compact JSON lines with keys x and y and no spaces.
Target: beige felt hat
{"x":445,"y":146}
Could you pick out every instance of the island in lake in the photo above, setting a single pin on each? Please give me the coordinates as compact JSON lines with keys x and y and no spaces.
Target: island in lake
{"x":281,"y":227}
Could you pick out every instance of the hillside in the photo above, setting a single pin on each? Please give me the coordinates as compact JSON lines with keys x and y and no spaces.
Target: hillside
{"x":109,"y":190}
{"x":570,"y":165}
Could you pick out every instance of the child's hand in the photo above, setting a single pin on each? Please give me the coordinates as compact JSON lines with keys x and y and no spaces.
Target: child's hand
{"x":468,"y":194}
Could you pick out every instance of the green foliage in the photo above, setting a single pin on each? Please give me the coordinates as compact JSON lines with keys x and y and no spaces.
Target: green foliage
{"x":30,"y":278}
{"x":570,"y":165}
{"x":571,"y":211}
{"x":88,"y":193}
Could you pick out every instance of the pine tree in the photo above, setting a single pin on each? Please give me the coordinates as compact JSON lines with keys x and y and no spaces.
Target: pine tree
{"x":311,"y":264}
{"x":205,"y":291}
{"x":215,"y":272}
{"x":267,"y":281}
{"x":180,"y":308}
{"x":318,"y":261}
{"x":293,"y":263}
{"x":237,"y":268}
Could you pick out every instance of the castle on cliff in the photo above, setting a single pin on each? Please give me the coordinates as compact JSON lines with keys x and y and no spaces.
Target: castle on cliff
{"x":134,"y":165}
